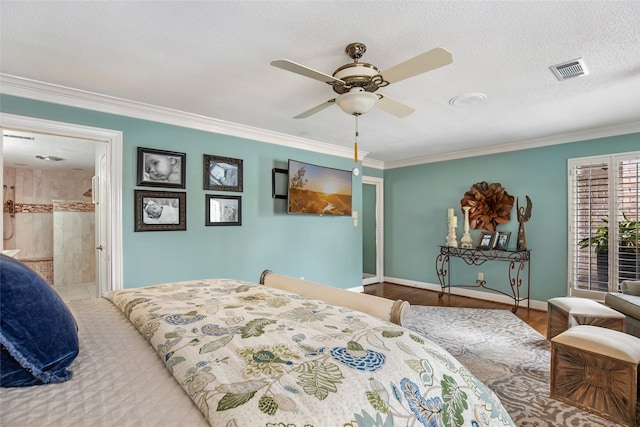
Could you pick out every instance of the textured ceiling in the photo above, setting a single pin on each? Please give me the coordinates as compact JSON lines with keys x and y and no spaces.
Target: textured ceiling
{"x":212,"y":59}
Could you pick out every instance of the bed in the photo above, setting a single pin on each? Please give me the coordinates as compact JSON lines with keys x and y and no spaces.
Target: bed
{"x":233,"y":353}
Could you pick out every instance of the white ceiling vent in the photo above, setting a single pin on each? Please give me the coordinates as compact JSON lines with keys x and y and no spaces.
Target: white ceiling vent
{"x":567,"y":70}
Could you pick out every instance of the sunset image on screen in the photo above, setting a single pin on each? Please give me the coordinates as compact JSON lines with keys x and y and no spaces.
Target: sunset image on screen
{"x":319,"y":190}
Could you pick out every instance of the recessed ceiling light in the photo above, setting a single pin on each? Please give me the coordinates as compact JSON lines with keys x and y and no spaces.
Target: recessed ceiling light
{"x":467,"y":99}
{"x":50,"y":158}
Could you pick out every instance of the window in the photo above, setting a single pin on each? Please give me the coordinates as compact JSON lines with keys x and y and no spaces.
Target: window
{"x":604,"y":194}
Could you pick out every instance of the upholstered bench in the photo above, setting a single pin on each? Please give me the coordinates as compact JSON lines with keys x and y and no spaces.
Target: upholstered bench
{"x":565,"y":312}
{"x":596,"y":369}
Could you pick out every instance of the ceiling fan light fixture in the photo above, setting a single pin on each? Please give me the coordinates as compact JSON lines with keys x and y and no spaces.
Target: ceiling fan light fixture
{"x":357,"y":101}
{"x":355,"y":83}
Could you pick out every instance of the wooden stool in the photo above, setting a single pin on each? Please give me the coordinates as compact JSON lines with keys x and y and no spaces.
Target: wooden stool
{"x":596,"y":369}
{"x":565,"y":312}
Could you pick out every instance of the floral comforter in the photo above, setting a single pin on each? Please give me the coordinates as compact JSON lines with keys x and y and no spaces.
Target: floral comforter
{"x":249,"y":355}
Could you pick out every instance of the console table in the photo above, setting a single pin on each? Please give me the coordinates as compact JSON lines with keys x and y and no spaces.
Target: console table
{"x":517,"y":260}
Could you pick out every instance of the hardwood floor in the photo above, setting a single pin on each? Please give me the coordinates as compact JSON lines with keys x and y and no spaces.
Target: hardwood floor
{"x":537,"y":319}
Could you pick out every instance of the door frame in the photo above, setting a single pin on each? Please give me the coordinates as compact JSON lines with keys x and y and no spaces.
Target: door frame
{"x":114,"y":140}
{"x":379,"y":215}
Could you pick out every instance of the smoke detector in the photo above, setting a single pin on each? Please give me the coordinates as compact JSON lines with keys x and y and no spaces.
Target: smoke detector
{"x":567,"y":70}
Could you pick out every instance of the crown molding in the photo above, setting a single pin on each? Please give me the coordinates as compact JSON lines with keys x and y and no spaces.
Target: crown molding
{"x":564,"y":138}
{"x":372,"y":163}
{"x":48,"y":92}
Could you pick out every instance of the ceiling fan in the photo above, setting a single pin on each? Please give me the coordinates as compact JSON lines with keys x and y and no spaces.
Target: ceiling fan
{"x":356,"y":82}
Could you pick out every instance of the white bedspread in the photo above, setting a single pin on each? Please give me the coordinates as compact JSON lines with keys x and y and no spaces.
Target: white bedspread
{"x":118,"y":380}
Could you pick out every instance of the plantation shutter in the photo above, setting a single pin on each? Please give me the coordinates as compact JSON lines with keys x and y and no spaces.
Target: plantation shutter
{"x":604,"y":196}
{"x":628,"y":217}
{"x":591,"y":209}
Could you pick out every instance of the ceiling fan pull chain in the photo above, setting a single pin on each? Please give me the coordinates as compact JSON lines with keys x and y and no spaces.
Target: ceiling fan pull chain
{"x":355,"y":144}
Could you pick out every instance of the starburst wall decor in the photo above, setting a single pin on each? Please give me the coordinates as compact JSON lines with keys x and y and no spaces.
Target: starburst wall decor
{"x":490,"y":205}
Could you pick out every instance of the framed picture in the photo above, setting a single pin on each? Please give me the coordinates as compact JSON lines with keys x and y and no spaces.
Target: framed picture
{"x":222,"y":173}
{"x":487,"y":240}
{"x":502,"y":241}
{"x":160,"y":210}
{"x":223,"y":210}
{"x":160,"y":168}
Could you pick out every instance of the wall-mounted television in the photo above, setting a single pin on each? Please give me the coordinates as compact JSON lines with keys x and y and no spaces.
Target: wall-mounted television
{"x":318,"y":190}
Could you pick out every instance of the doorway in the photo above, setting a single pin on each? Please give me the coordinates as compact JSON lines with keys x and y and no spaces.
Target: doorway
{"x":105,"y":149}
{"x":372,"y":230}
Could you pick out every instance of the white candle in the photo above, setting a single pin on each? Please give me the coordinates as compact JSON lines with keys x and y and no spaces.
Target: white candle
{"x":453,"y":221}
{"x":449,"y":212}
{"x":480,"y":276}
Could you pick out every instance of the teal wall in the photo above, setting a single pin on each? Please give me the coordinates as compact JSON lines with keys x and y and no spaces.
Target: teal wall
{"x":321,"y":249}
{"x":329,"y":249}
{"x":373,"y":172}
{"x":417,"y":198}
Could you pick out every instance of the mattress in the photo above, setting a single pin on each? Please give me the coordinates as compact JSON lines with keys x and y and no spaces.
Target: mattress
{"x":118,"y":380}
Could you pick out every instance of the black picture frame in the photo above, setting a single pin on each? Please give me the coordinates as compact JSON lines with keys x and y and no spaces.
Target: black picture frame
{"x":160,"y":210}
{"x":161,"y":168}
{"x":502,"y":240}
{"x":221,"y":173}
{"x":222,"y":210}
{"x":487,"y":240}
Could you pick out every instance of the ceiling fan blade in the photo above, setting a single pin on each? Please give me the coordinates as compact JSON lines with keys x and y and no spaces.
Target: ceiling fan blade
{"x":287,"y":65}
{"x":316,"y":109}
{"x":393,"y":106}
{"x":430,"y":60}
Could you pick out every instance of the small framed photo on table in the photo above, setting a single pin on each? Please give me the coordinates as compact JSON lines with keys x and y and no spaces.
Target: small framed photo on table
{"x":223,"y":210}
{"x":502,"y":241}
{"x":160,"y":168}
{"x":487,"y":240}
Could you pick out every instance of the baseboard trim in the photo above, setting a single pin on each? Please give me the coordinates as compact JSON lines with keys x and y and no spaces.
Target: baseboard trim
{"x":466,"y":292}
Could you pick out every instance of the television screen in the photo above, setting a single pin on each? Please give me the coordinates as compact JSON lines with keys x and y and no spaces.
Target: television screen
{"x":318,"y":190}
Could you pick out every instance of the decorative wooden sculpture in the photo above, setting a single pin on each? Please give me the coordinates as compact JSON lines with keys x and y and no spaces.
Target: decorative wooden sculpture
{"x":524,"y":214}
{"x":490,"y":205}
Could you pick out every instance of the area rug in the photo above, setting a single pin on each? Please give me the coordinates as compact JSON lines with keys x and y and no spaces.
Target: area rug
{"x":505,"y":353}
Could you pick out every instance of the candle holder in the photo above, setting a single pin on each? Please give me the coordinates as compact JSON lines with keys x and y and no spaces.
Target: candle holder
{"x":450,"y":238}
{"x":466,"y":241}
{"x":481,"y":282}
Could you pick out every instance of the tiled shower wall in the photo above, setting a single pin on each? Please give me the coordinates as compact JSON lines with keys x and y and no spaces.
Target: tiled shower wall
{"x":35,"y":191}
{"x":74,"y":259}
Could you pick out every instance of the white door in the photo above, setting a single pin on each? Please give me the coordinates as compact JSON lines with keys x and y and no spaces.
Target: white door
{"x":372,"y":230}
{"x":100,"y":193}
